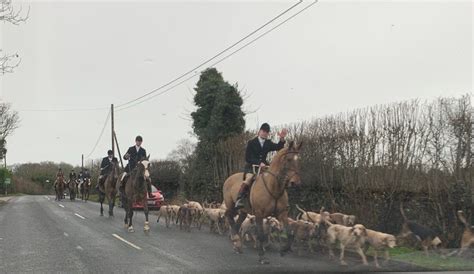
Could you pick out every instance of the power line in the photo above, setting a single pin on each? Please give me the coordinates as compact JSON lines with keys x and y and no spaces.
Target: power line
{"x":212,"y":58}
{"x":62,"y":110}
{"x":100,"y":135}
{"x":223,"y":59}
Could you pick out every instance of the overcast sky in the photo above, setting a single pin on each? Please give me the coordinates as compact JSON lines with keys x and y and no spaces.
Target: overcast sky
{"x":334,"y":57}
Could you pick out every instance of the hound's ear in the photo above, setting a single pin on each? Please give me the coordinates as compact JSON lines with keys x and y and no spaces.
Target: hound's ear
{"x":292,"y":144}
{"x":300,"y":145}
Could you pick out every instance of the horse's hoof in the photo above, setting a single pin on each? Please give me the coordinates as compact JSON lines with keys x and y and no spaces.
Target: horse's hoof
{"x":130,"y":229}
{"x":238,"y":250}
{"x":343,"y":263}
{"x":125,"y":226}
{"x":263,"y":260}
{"x":101,"y":214}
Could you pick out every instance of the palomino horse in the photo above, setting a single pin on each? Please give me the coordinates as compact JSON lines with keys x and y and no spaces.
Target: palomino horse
{"x":268,"y":197}
{"x":136,"y":191}
{"x":109,"y":189}
{"x":85,"y":189}
{"x":59,"y":188}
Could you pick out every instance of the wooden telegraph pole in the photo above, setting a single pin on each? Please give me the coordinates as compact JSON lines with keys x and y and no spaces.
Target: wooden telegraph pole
{"x":112,"y":124}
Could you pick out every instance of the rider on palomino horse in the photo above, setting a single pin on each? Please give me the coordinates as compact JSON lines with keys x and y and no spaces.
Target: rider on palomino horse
{"x":134,"y":154}
{"x":105,"y":168}
{"x":256,"y":155}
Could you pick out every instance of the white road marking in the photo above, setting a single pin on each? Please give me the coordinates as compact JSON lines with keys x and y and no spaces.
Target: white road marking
{"x":79,"y":216}
{"x":61,"y":205}
{"x":79,"y":247}
{"x":1,"y":239}
{"x":127,"y":242}
{"x":65,"y":234}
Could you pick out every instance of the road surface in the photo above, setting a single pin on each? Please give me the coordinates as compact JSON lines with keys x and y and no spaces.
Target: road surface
{"x":38,"y":234}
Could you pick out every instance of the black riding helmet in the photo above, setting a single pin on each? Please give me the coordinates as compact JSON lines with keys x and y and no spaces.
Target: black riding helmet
{"x":139,"y":138}
{"x":110,"y":152}
{"x":265,"y":127}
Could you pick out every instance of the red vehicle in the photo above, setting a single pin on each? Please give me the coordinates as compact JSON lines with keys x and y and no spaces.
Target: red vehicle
{"x":153,"y":203}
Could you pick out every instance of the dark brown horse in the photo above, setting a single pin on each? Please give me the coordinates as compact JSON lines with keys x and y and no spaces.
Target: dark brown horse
{"x":109,"y":189}
{"x":268,"y":197}
{"x":59,"y":188}
{"x":85,"y":189}
{"x":136,"y":191}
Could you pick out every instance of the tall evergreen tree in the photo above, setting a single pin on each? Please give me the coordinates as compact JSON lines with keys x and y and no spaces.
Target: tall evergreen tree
{"x":218,"y":116}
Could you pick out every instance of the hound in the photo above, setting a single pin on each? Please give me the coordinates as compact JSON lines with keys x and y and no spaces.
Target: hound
{"x":355,"y":236}
{"x":380,"y":242}
{"x":425,"y":235}
{"x":468,"y":235}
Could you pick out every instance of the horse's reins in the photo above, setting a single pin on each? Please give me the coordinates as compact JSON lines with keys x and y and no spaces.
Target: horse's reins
{"x":278,"y":181}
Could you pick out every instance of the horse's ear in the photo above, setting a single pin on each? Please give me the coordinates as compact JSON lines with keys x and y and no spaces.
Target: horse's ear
{"x":300,"y":145}
{"x":148,"y":157}
{"x":292,"y":144}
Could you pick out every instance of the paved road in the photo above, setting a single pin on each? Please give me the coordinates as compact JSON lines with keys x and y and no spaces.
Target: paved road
{"x":38,"y":234}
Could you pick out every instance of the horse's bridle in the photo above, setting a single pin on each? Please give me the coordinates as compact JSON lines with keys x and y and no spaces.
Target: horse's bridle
{"x":277,"y":176}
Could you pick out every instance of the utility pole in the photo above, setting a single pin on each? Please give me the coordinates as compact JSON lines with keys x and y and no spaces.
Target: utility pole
{"x":112,"y":124}
{"x":82,"y":163}
{"x":118,"y":150}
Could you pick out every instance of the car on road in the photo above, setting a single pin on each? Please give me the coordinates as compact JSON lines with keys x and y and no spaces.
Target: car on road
{"x":153,"y":203}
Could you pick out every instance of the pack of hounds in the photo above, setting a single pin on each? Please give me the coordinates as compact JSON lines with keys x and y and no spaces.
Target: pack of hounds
{"x":310,"y":229}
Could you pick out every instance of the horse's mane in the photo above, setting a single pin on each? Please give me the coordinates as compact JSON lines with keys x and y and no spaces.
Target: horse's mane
{"x":279,"y":155}
{"x":138,"y":176}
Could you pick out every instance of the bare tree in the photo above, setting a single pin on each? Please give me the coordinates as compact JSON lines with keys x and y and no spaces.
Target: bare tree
{"x":9,"y":121}
{"x":8,"y":62}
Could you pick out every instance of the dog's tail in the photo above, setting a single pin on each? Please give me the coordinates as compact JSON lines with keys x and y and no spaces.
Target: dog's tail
{"x":300,"y":209}
{"x":403,"y":212}
{"x":463,"y":220}
{"x":304,"y":212}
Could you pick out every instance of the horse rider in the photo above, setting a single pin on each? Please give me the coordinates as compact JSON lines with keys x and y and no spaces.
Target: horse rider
{"x":87,"y":174}
{"x":105,"y":167}
{"x":134,"y":154}
{"x":72,"y":176}
{"x":256,"y":156}
{"x":59,"y":174}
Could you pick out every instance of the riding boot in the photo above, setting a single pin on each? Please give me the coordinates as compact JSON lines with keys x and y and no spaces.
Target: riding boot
{"x":242,"y":194}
